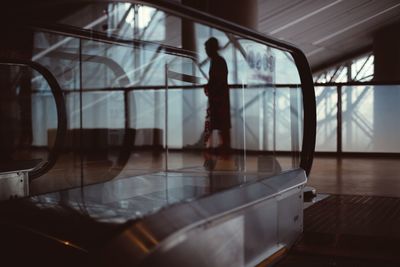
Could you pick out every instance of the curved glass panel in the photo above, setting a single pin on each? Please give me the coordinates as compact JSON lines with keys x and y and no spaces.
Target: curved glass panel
{"x":144,"y":95}
{"x":28,"y":113}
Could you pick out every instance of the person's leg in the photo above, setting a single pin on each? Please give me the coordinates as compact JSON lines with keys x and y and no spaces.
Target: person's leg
{"x":208,"y":145}
{"x":209,"y":157}
{"x":225,"y":142}
{"x":208,"y":141}
{"x":226,"y":161}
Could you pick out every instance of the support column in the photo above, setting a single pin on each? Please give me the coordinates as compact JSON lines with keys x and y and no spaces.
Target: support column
{"x":241,"y":12}
{"x":387,"y":54}
{"x":386,"y":98}
{"x":16,"y":99}
{"x":190,"y":122}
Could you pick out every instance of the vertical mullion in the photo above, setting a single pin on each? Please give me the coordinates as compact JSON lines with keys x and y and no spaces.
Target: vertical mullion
{"x":81,"y":110}
{"x":339,"y":120}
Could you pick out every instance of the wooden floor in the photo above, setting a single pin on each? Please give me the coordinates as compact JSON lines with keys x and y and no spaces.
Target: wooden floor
{"x":71,"y":172}
{"x":347,"y":175}
{"x":356,"y":176}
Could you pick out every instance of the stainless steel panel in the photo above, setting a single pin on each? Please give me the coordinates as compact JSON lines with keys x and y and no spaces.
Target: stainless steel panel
{"x":260,"y":230}
{"x":290,"y":216}
{"x":180,"y":235}
{"x":220,"y":243}
{"x":13,"y":185}
{"x":286,"y":180}
{"x":231,"y":199}
{"x":14,"y":180}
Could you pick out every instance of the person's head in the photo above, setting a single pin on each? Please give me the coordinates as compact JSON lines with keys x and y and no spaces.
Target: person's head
{"x":212,"y":46}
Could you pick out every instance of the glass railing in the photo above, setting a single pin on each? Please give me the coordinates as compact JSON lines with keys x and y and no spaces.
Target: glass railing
{"x":135,"y":101}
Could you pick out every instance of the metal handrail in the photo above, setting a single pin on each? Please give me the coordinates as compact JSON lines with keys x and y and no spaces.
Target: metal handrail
{"x":60,"y":107}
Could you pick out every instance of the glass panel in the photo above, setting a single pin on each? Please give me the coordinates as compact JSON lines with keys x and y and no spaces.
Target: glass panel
{"x":289,"y":127}
{"x":370,"y":114}
{"x":60,"y":55}
{"x":119,"y":114}
{"x":258,"y":114}
{"x":146,"y":98}
{"x":27,"y":114}
{"x":103,"y":111}
{"x":225,"y":98}
{"x":357,"y":117}
{"x":119,"y":19}
{"x":187,"y":105}
{"x":258,"y":76}
{"x":273,"y":111}
{"x":252,"y":75}
{"x":147,"y":118}
{"x":130,"y":99}
{"x":326,"y":100}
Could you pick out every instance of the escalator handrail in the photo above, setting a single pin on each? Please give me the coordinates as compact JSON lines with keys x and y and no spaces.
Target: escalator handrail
{"x":60,"y":107}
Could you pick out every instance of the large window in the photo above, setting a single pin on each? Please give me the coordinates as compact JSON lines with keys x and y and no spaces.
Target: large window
{"x":360,"y":69}
{"x":366,"y":121}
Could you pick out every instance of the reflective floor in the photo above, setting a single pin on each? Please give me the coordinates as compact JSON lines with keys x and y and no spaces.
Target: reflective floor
{"x":347,"y":175}
{"x":356,"y":176}
{"x":68,"y":170}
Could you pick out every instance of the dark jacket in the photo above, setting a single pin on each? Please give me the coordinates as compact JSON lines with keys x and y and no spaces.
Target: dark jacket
{"x":218,"y":94}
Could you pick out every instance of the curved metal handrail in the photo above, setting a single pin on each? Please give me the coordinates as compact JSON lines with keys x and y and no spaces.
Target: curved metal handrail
{"x":60,"y":106}
{"x":129,"y":136}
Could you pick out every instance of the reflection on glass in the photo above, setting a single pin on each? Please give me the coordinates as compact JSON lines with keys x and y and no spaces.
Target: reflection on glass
{"x":186,"y":112}
{"x":28,"y":112}
{"x":124,"y":20}
{"x":134,"y":94}
{"x":102,"y":130}
{"x":218,"y":115}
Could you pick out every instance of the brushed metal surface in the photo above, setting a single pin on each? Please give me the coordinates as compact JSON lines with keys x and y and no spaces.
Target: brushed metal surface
{"x":290,"y":216}
{"x":271,"y":211}
{"x":14,"y":180}
{"x":13,"y":185}
{"x":220,"y":243}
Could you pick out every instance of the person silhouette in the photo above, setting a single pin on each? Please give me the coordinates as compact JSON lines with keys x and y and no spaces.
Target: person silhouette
{"x":218,"y":112}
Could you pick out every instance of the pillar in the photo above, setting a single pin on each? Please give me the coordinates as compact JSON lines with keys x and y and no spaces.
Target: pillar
{"x":386,"y":126}
{"x":244,"y":13}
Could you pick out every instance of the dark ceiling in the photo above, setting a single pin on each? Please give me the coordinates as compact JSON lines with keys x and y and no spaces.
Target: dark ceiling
{"x":327,"y":31}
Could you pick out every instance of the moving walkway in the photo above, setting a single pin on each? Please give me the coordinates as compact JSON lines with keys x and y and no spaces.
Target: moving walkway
{"x":106,"y":100}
